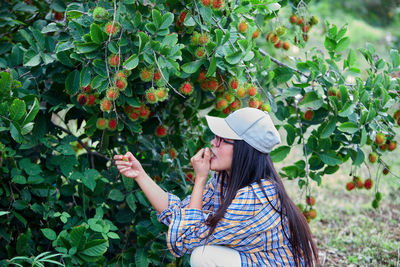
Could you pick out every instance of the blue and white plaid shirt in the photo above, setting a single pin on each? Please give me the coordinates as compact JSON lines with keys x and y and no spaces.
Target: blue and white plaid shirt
{"x":250,"y":225}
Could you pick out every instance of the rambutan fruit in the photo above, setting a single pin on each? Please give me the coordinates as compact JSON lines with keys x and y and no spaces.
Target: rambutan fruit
{"x":200,"y":52}
{"x":146,"y":74}
{"x":112,"y":124}
{"x":233,"y":83}
{"x":91,"y":100}
{"x":161,"y":131}
{"x":151,"y":96}
{"x":113,"y":60}
{"x":112,"y":93}
{"x":111,"y":28}
{"x":121,"y":84}
{"x":106,"y":105}
{"x":162,"y":93}
{"x":82,"y":99}
{"x":101,"y":123}
{"x":186,"y":88}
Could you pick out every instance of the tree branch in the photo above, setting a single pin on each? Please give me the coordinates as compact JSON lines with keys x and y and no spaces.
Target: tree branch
{"x":89,"y":151}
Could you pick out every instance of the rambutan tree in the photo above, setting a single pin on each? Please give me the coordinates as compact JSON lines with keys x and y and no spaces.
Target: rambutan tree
{"x":82,"y":81}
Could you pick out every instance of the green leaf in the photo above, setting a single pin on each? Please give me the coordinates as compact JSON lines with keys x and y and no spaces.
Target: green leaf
{"x":156,"y":16}
{"x":5,"y":82}
{"x":95,"y":248}
{"x":358,"y":157}
{"x":76,"y":236}
{"x":213,"y":66}
{"x":97,"y":81}
{"x":347,"y":110}
{"x":131,"y":201}
{"x":49,"y":233}
{"x":351,"y":58}
{"x":234,"y":58}
{"x":85,"y":77}
{"x":116,"y":195}
{"x":74,"y":14}
{"x":89,"y":182}
{"x":330,"y":158}
{"x":167,"y":20}
{"x":17,"y":109}
{"x":283,"y":74}
{"x":27,"y":128}
{"x":113,"y":235}
{"x":141,"y":258}
{"x":19,"y":179}
{"x":395,"y":57}
{"x":15,"y":132}
{"x":329,"y":128}
{"x":96,"y":34}
{"x":192,"y":67}
{"x":4,"y":213}
{"x":131,"y":62}
{"x":363,"y":140}
{"x":279,"y":153}
{"x":349,"y":127}
{"x":206,"y":13}
{"x":329,"y":44}
{"x":343,"y":44}
{"x":31,"y":58}
{"x":72,"y":82}
{"x":311,"y":100}
{"x":291,"y":134}
{"x":83,"y":48}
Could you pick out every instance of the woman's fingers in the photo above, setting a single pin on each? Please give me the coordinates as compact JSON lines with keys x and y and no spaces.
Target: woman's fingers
{"x":122,"y":170}
{"x":125,"y":163}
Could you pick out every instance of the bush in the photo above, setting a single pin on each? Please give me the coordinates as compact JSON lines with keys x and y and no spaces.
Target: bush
{"x":82,"y":82}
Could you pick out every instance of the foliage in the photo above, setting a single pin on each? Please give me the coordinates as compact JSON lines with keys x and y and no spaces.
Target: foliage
{"x":82,"y":83}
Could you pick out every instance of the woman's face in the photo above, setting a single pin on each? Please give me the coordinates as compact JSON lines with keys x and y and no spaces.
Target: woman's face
{"x":222,"y":154}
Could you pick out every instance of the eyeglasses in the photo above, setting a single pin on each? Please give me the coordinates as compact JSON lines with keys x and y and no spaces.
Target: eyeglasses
{"x":220,"y":140}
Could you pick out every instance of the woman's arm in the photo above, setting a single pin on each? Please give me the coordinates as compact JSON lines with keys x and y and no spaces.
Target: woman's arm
{"x":133,"y":169}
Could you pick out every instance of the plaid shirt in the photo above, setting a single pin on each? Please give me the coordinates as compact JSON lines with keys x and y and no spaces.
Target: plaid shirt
{"x":250,"y":225}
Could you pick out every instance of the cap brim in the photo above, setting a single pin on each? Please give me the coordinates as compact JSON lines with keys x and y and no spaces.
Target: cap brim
{"x":219,"y":127}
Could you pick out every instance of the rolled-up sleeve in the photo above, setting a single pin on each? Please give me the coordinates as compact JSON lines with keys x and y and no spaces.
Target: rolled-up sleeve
{"x":242,"y":222}
{"x":175,"y":203}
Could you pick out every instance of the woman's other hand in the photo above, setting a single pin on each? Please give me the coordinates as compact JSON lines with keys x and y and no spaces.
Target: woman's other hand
{"x":201,"y":163}
{"x":128,"y":165}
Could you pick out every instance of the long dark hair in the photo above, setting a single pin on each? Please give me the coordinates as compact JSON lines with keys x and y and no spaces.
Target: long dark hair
{"x":249,"y":166}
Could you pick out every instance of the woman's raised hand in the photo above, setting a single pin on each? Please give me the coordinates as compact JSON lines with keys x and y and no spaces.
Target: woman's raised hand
{"x":128,"y":165}
{"x":201,"y":163}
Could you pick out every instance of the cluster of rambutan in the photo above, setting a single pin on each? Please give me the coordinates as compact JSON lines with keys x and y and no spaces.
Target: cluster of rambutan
{"x":357,"y":182}
{"x":85,"y":97}
{"x":200,"y":40}
{"x":181,"y":19}
{"x":110,"y":124}
{"x":210,"y":84}
{"x":136,"y":113}
{"x":214,"y":4}
{"x":274,"y":38}
{"x":305,"y":26}
{"x":154,"y":95}
{"x":170,"y":151}
{"x":148,"y":74}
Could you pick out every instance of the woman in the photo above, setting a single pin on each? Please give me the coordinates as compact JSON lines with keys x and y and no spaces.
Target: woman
{"x":243,"y":214}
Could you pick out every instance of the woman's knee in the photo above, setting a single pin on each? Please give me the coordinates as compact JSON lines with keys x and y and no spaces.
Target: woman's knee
{"x":211,"y":256}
